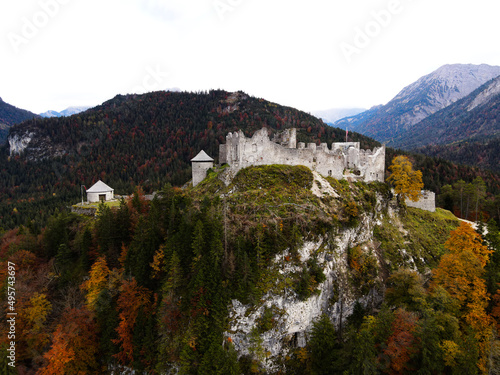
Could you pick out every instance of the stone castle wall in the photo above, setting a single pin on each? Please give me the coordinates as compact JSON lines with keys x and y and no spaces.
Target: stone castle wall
{"x":338,"y":162}
{"x":426,"y":202}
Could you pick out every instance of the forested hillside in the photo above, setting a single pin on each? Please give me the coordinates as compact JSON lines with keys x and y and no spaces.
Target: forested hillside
{"x":10,"y":115}
{"x":278,"y":273}
{"x":485,"y":155}
{"x":145,"y":140}
{"x":148,"y":140}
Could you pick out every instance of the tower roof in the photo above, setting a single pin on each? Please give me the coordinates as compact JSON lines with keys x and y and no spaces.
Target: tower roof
{"x":99,"y":187}
{"x":202,"y":156}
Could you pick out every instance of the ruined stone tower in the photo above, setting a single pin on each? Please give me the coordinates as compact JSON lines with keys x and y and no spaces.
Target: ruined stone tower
{"x":201,"y":163}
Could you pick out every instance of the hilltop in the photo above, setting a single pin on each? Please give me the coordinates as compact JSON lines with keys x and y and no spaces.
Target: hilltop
{"x":145,"y":140}
{"x":148,"y":140}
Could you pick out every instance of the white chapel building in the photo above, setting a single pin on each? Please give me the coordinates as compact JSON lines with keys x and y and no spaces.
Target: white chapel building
{"x":100,"y":192}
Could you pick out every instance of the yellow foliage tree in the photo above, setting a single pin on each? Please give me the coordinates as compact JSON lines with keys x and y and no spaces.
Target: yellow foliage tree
{"x":32,"y":332}
{"x":460,"y":272}
{"x":37,"y":310}
{"x":97,"y":281}
{"x":158,"y":262}
{"x":450,"y":352}
{"x":407,"y":182}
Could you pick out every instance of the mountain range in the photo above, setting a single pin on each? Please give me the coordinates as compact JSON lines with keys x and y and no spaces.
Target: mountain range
{"x":474,"y":117}
{"x":415,"y":119}
{"x":455,"y":105}
{"x":334,"y":114}
{"x":420,"y":99}
{"x":67,"y":112}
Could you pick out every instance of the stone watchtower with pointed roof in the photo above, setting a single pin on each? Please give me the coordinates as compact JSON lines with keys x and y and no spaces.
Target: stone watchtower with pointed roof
{"x":201,"y":163}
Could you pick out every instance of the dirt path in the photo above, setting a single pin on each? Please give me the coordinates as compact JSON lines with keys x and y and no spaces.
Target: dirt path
{"x":474,"y":225}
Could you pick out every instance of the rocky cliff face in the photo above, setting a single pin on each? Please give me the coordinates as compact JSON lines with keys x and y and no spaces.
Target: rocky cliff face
{"x":490,"y":92}
{"x":293,"y":318}
{"x":10,"y":115}
{"x":27,"y":141}
{"x":355,"y":258}
{"x":19,"y":142}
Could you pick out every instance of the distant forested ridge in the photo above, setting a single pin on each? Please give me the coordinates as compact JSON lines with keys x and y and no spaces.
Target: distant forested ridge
{"x":132,"y":140}
{"x":148,"y":140}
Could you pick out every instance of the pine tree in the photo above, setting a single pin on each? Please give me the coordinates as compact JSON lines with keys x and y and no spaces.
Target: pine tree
{"x":323,"y":346}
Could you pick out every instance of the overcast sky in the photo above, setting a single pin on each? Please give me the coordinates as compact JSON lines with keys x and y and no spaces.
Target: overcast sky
{"x":311,"y":55}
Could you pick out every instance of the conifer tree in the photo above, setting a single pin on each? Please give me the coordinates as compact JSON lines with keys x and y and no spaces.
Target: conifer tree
{"x":323,"y":346}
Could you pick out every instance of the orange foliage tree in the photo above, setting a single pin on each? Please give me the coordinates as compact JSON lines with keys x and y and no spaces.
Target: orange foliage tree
{"x":74,"y":345}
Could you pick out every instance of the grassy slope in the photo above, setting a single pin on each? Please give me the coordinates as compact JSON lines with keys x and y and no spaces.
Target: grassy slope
{"x":419,"y":236}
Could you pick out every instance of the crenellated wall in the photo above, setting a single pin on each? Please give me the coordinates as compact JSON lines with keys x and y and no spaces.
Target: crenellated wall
{"x":341,"y":161}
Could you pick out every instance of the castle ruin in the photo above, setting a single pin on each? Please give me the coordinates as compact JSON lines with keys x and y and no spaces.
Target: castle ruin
{"x":342,"y":160}
{"x":427,"y":201}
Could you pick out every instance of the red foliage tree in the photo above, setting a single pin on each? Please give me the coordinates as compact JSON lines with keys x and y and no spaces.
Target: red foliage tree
{"x":132,"y":299}
{"x":401,"y":341}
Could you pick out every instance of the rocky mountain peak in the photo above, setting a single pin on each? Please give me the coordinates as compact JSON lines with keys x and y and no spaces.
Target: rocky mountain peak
{"x":419,"y":100}
{"x":448,"y":84}
{"x":491,"y":91}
